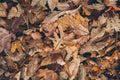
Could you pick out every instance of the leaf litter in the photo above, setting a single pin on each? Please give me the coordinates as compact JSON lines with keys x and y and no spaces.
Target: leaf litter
{"x":59,"y":40}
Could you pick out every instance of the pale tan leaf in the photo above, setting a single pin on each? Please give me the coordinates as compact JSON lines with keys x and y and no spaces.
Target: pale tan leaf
{"x":83,"y":73}
{"x":96,"y":6}
{"x":2,"y":22}
{"x":3,"y":7}
{"x":14,"y":12}
{"x":52,"y":4}
{"x":47,"y":74}
{"x":32,"y":66}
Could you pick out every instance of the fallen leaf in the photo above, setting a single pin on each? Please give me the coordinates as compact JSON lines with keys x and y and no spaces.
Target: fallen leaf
{"x":36,"y":35}
{"x":5,"y":39}
{"x":47,"y":74}
{"x":95,"y":68}
{"x":47,"y":61}
{"x":82,"y":73}
{"x":96,"y":6}
{"x":32,"y":66}
{"x":52,"y":4}
{"x":3,"y":7}
{"x":16,"y":46}
{"x":15,"y":12}
{"x":85,"y":11}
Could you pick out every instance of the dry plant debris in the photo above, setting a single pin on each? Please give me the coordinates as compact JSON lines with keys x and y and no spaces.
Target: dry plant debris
{"x":59,"y":39}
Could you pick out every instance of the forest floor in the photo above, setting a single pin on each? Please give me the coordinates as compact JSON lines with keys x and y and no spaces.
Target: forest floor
{"x":59,"y":39}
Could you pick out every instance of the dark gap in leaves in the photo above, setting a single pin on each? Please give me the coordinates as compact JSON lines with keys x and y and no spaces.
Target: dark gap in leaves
{"x":107,"y":73}
{"x":110,"y":52}
{"x":3,"y":77}
{"x":87,"y":54}
{"x":48,"y":9}
{"x":18,"y":34}
{"x":43,"y":35}
{"x":118,"y":3}
{"x":3,"y":54}
{"x":62,"y":0}
{"x":94,"y":59}
{"x":90,"y":2}
{"x":118,"y":66}
{"x":21,"y":79}
{"x":95,"y":14}
{"x":84,"y":62}
{"x":119,"y":36}
{"x":11,"y":70}
{"x":71,"y":58}
{"x":56,"y":9}
{"x":50,"y":66}
{"x":30,"y":78}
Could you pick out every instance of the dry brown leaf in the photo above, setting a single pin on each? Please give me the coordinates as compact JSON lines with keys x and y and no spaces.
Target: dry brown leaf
{"x":5,"y":39}
{"x":3,"y":7}
{"x":2,"y":22}
{"x":48,"y":60}
{"x":96,"y":6}
{"x":47,"y":74}
{"x":113,"y":24}
{"x":38,"y":2}
{"x":78,"y":23}
{"x":32,"y":66}
{"x":15,"y":12}
{"x":52,"y":18}
{"x":72,"y":68}
{"x":63,"y":75}
{"x":12,"y":65}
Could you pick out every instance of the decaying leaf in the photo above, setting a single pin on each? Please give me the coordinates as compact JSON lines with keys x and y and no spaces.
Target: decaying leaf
{"x":15,"y":12}
{"x":3,"y":7}
{"x":85,"y":11}
{"x":82,"y":73}
{"x":16,"y":45}
{"x":96,"y":6}
{"x":2,"y":22}
{"x":5,"y":39}
{"x":47,"y":74}
{"x":59,"y":39}
{"x":113,"y":23}
{"x":35,"y":35}
{"x":52,"y":4}
{"x":32,"y":67}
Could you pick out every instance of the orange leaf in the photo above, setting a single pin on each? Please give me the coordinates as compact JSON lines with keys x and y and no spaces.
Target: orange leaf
{"x":95,"y":68}
{"x":85,"y":11}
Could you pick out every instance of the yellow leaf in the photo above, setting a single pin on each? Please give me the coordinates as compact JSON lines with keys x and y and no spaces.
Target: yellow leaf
{"x":16,"y":45}
{"x":19,"y":46}
{"x":85,"y":11}
{"x":13,"y":48}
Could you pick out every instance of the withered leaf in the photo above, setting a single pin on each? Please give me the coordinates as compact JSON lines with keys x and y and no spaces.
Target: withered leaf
{"x":5,"y":39}
{"x":48,"y":74}
{"x":16,"y":45}
{"x":3,"y":7}
{"x":15,"y":12}
{"x":52,"y":4}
